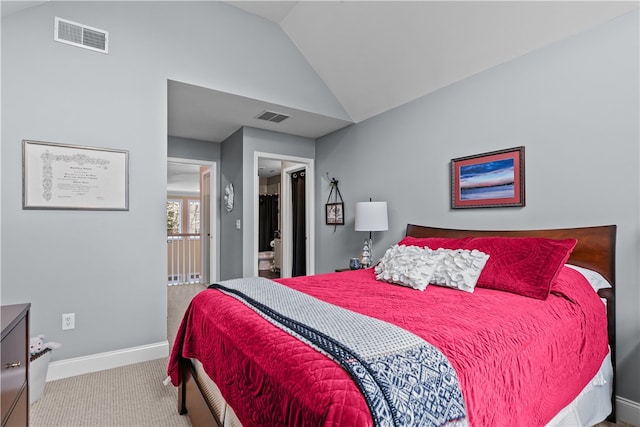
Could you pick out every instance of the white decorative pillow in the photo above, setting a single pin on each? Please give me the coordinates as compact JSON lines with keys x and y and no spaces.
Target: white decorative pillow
{"x":459,"y":268}
{"x":410,"y":266}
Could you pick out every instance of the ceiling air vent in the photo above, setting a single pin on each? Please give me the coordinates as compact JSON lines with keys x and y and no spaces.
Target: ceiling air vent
{"x":272,"y":116}
{"x":81,"y":35}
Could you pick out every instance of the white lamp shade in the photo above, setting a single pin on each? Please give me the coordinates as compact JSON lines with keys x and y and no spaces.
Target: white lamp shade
{"x":371,"y":216}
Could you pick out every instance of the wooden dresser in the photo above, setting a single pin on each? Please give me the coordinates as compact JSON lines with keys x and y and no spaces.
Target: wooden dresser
{"x":14,"y":354}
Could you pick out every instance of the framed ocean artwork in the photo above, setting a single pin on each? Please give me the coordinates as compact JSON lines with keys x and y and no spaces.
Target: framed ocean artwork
{"x":494,"y":179}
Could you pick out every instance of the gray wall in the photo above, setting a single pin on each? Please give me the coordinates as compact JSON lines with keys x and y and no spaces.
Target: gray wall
{"x":573,"y":105}
{"x":110,"y":267}
{"x":230,"y":237}
{"x":186,"y":148}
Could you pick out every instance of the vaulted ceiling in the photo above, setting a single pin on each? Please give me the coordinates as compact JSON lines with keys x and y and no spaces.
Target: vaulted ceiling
{"x":376,"y":55}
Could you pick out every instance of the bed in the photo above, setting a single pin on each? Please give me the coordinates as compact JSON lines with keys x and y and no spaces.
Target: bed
{"x":233,"y":366}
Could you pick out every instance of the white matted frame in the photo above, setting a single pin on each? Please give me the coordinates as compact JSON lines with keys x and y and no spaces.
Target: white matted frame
{"x":74,"y":177}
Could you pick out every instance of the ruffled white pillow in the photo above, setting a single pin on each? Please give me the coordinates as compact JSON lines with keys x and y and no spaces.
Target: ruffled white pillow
{"x":459,"y":268}
{"x":410,"y":266}
{"x":417,"y":267}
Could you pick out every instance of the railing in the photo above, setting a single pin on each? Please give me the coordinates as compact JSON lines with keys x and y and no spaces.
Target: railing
{"x":184,"y":258}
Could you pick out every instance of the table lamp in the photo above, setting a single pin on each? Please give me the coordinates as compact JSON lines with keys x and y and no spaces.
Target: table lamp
{"x":370,"y":216}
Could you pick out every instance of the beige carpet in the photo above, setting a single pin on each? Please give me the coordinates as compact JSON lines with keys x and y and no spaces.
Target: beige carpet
{"x":129,"y":396}
{"x":132,"y":395}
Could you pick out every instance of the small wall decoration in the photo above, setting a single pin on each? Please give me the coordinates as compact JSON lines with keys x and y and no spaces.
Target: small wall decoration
{"x":228,"y":197}
{"x":334,"y":210}
{"x":60,"y":176}
{"x":335,"y":213}
{"x":494,"y":179}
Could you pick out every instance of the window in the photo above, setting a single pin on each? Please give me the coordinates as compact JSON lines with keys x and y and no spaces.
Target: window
{"x":194,"y":216}
{"x":183,"y":216}
{"x":174,"y":216}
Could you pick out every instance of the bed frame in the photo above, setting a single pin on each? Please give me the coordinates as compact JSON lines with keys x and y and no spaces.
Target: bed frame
{"x":596,"y":250}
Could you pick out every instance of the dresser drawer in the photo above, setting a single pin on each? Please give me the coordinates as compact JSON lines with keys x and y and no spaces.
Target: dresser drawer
{"x":18,"y":417}
{"x":13,"y":370}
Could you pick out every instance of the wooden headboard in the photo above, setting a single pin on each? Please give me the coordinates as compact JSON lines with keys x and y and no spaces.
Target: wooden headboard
{"x":596,"y":250}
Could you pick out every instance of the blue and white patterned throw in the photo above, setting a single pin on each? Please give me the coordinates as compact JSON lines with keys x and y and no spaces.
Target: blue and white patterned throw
{"x":405,"y":380}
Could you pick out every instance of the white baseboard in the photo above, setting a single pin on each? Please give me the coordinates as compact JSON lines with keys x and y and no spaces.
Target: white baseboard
{"x":627,"y":411}
{"x":107,"y":360}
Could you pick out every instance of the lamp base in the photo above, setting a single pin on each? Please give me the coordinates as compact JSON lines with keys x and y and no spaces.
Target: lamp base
{"x":365,"y":256}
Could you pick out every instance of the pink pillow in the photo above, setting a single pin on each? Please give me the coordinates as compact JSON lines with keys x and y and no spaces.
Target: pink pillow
{"x":435,"y":242}
{"x":521,"y":265}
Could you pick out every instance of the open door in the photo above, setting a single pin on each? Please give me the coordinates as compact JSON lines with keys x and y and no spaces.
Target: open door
{"x":208,"y":226}
{"x":297,"y":227}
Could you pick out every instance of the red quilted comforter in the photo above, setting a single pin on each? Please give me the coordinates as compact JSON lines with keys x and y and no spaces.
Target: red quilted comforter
{"x":519,"y":360}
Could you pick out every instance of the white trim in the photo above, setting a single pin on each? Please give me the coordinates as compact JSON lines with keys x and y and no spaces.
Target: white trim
{"x":310,"y":189}
{"x":182,"y":194}
{"x":107,"y":360}
{"x":212,"y":209}
{"x":627,"y":411}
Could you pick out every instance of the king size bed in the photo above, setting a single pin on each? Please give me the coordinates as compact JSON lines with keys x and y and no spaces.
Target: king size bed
{"x":452,"y":327}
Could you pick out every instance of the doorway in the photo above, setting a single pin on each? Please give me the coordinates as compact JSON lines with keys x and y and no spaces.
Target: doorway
{"x":269,"y":222}
{"x":191,"y":222}
{"x":288,"y":165}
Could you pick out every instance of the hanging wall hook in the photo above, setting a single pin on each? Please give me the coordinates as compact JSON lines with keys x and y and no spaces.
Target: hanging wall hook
{"x":332,"y":181}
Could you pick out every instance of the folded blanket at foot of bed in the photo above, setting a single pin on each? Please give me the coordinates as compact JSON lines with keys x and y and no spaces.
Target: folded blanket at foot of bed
{"x":404,"y":380}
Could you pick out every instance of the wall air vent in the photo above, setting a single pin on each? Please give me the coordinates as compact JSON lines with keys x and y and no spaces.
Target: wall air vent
{"x":81,"y":35}
{"x":272,"y":116}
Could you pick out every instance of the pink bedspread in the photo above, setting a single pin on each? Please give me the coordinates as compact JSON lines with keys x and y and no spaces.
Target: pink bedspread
{"x":519,"y":360}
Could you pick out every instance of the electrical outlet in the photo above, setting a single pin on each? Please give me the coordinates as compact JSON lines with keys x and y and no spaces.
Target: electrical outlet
{"x":68,"y":321}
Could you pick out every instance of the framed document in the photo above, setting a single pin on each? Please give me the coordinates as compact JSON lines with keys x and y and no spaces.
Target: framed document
{"x":60,"y":176}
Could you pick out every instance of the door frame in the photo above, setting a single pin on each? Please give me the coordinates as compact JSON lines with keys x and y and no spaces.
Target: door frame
{"x":214,"y":272}
{"x":287,"y":244}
